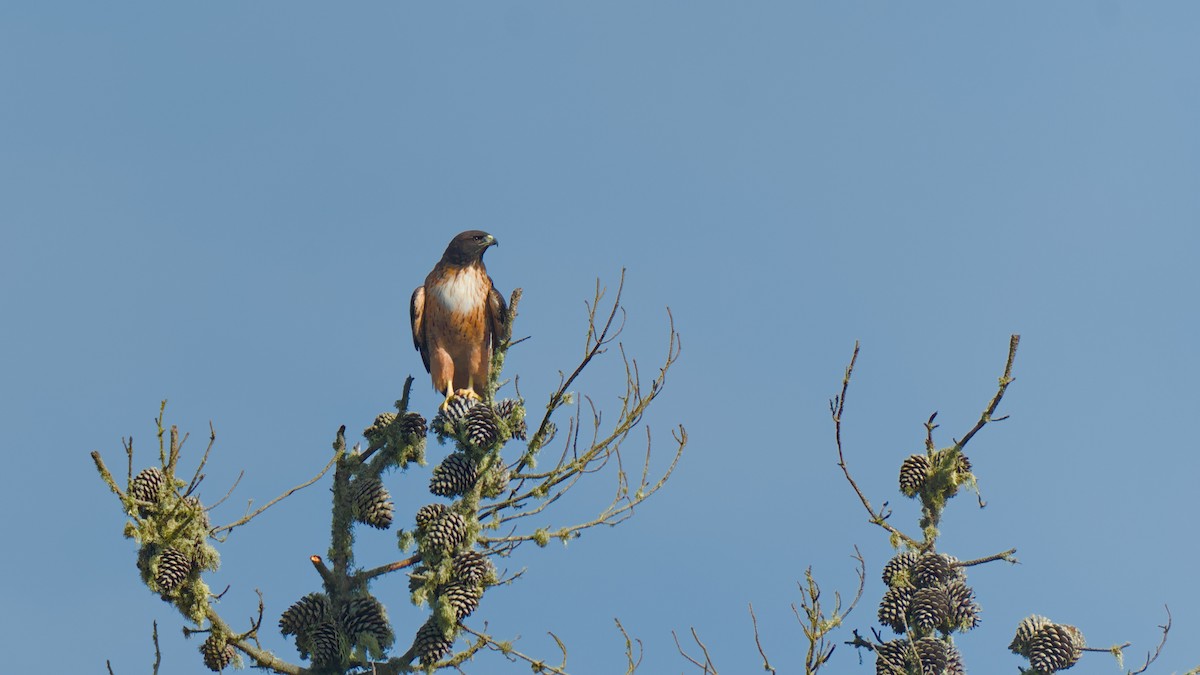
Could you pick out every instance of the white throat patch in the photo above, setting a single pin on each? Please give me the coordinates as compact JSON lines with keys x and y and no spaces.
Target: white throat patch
{"x":461,"y":293}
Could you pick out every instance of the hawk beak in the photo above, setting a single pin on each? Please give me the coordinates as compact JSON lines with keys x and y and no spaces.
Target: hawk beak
{"x":491,"y":241}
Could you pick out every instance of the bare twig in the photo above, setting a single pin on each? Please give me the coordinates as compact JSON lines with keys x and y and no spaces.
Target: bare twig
{"x":837,"y":407}
{"x":758,"y":642}
{"x":538,"y":665}
{"x":990,"y":410}
{"x":1006,"y":556}
{"x":631,"y":663}
{"x":366,"y":575}
{"x":706,"y":666}
{"x":242,"y":521}
{"x":1151,"y":658}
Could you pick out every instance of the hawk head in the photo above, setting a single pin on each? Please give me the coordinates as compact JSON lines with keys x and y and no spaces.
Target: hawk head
{"x":467,"y":248}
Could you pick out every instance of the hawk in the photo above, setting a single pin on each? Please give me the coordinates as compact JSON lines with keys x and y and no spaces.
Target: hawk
{"x":457,"y":317}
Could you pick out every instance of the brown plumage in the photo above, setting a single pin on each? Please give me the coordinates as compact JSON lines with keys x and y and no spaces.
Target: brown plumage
{"x":457,"y":317}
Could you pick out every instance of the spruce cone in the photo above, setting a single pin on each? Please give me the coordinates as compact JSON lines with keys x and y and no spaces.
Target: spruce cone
{"x":481,"y":426}
{"x":431,"y":643}
{"x":328,"y":645}
{"x":305,"y":614}
{"x":963,"y":614}
{"x":365,"y":616}
{"x":147,"y":485}
{"x":428,"y":514}
{"x":893,"y":609}
{"x":454,"y":476}
{"x":913,"y":473}
{"x":932,"y":569}
{"x":1028,"y":627}
{"x":471,"y":567}
{"x":891,"y":657}
{"x":462,"y":598}
{"x":173,"y":568}
{"x":378,"y":430}
{"x":218,"y":653}
{"x":447,"y":532}
{"x":372,"y":503}
{"x":929,"y":609}
{"x":412,"y":424}
{"x":932,"y":655}
{"x":1055,"y":647}
{"x":507,"y":409}
{"x":898,"y":570}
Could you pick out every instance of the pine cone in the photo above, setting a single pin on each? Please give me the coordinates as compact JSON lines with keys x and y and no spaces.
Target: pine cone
{"x":365,"y":616}
{"x":147,"y":485}
{"x":963,"y":614}
{"x":481,"y":426}
{"x":1055,"y":647}
{"x":173,"y":568}
{"x":328,"y":645}
{"x":430,"y":513}
{"x":413,"y":424}
{"x":932,"y":569}
{"x":898,"y":570}
{"x":197,"y":507}
{"x":954,"y":662}
{"x":454,"y":476}
{"x":462,"y":598}
{"x":893,"y":609}
{"x":928,"y":610}
{"x":377,"y":432}
{"x":471,"y":567}
{"x":454,"y":413}
{"x":507,"y":410}
{"x":431,"y":643}
{"x":891,"y":657}
{"x":217,"y":653}
{"x":913,"y":473}
{"x":305,"y":614}
{"x":372,"y":503}
{"x":447,"y":532}
{"x":932,"y":655}
{"x":1028,"y":627}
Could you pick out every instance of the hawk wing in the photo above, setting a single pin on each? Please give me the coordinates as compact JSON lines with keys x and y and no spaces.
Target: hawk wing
{"x":416,"y":314}
{"x":497,"y":313}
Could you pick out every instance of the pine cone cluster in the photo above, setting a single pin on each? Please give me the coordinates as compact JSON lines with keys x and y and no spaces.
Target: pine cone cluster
{"x":326,"y":639}
{"x":426,"y":515}
{"x":173,"y":567}
{"x":510,"y":411}
{"x":217,"y":652}
{"x":372,"y":503}
{"x":927,"y":593}
{"x":454,"y":476}
{"x":147,"y":485}
{"x":913,"y":474}
{"x":928,"y":656}
{"x":482,"y":428}
{"x":432,"y":643}
{"x":1049,"y":646}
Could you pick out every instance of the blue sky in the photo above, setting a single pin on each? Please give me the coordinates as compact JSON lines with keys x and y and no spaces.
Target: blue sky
{"x":228,"y":206}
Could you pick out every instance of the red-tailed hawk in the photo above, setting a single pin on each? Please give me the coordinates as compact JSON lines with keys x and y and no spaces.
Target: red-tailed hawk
{"x":457,"y":317}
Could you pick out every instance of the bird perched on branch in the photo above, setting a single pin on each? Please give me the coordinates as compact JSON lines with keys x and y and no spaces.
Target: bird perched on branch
{"x":457,"y":317}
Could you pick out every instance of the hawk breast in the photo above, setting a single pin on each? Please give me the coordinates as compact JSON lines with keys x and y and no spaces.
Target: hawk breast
{"x":462,"y":291}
